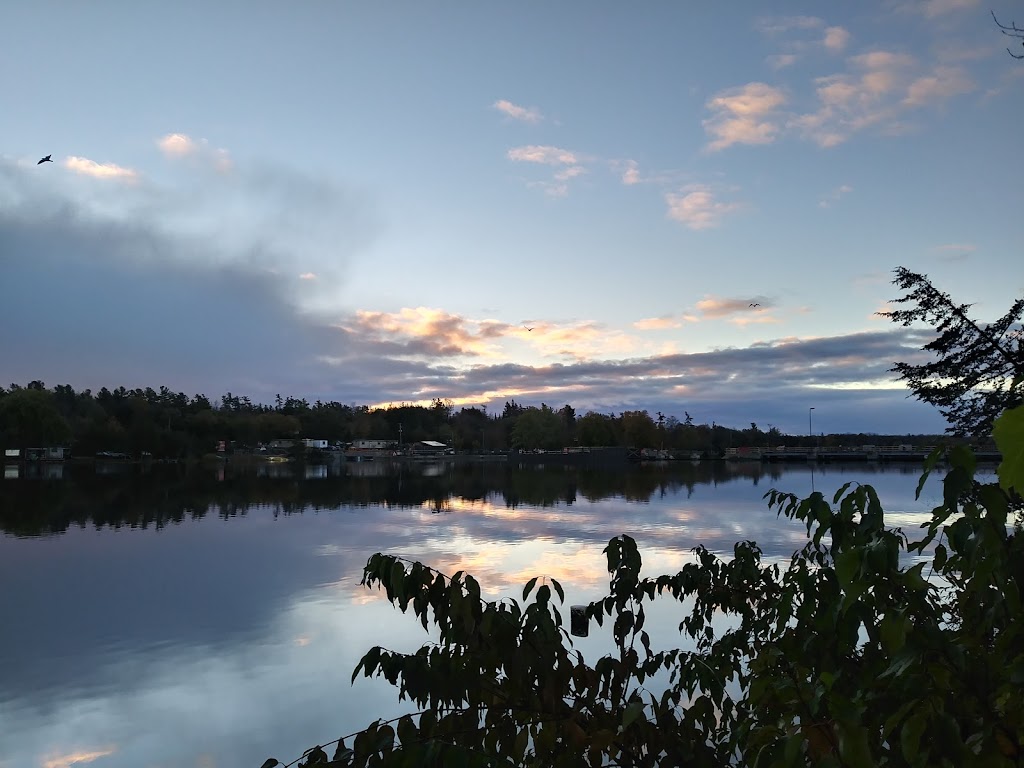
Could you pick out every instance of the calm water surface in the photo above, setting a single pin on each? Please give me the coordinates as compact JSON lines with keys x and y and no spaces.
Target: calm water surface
{"x":210,"y":619}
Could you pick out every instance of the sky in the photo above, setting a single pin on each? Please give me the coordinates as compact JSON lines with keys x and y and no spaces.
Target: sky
{"x":695,"y":209}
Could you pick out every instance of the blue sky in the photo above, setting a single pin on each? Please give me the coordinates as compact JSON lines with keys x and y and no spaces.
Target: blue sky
{"x":371,"y":202}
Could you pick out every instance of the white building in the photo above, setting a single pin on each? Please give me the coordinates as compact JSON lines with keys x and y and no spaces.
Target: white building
{"x":310,"y":442}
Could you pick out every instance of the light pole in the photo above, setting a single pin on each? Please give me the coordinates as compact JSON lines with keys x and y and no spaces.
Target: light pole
{"x":810,"y":429}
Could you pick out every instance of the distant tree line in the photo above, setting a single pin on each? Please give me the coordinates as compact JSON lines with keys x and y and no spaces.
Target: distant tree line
{"x":167,"y":424}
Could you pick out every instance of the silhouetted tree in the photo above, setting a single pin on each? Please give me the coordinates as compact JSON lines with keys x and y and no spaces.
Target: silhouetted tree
{"x":979,"y":370}
{"x":29,"y":419}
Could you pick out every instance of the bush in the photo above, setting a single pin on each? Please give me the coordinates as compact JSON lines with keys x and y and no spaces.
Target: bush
{"x":846,"y":657}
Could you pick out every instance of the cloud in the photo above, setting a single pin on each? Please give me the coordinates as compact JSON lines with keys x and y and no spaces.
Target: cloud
{"x":757,"y":319}
{"x":139,"y":306}
{"x":697,"y":207}
{"x":934,"y":8}
{"x":180,"y":286}
{"x":781,"y":60}
{"x":179,"y":145}
{"x":176,"y":144}
{"x":631,"y":175}
{"x":87,"y":167}
{"x":658,"y":323}
{"x":570,"y":173}
{"x":797,"y":40}
{"x":877,"y":90}
{"x":835,"y":39}
{"x":523,"y":114}
{"x":426,"y":332}
{"x":783,"y":24}
{"x":545,"y":155}
{"x":956,"y":251}
{"x":724,"y":381}
{"x":81,"y":757}
{"x":747,"y":114}
{"x":958,"y":247}
{"x":308,"y":276}
{"x":835,"y":195}
{"x":569,"y":165}
{"x":941,"y":84}
{"x":715,"y":307}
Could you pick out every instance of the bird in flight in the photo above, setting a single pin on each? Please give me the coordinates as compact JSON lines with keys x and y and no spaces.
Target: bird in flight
{"x":528,"y":329}
{"x":45,"y":160}
{"x":755,"y":305}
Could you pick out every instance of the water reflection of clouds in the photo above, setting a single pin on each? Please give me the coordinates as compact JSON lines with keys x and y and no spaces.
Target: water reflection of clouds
{"x":243,"y":632}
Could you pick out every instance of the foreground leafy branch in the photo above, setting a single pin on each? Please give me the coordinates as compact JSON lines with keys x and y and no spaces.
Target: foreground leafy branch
{"x":848,"y":656}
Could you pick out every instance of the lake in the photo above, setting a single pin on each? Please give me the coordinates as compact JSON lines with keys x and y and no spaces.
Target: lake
{"x":166,"y":618}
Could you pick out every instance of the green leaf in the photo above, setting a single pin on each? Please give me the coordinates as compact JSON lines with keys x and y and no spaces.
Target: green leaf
{"x":839,"y":494}
{"x":893,"y":630}
{"x":963,"y":456}
{"x":633,"y":711}
{"x":521,"y":742}
{"x":407,"y":732}
{"x":398,"y":580}
{"x":558,"y":590}
{"x":529,"y":587}
{"x":316,"y":756}
{"x":1008,"y":431}
{"x":853,"y":745}
{"x":848,"y":565}
{"x":910,"y":737}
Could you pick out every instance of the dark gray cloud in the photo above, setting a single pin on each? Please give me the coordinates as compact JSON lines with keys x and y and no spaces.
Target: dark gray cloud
{"x":93,"y":300}
{"x":768,"y":383}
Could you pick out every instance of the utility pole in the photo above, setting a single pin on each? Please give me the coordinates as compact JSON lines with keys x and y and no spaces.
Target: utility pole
{"x":399,"y":438}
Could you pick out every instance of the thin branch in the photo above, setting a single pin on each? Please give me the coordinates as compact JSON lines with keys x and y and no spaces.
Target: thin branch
{"x":1010,"y":31}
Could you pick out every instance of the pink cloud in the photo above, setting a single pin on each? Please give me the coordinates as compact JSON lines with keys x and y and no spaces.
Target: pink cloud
{"x":545,"y":155}
{"x":744,"y":115}
{"x":697,"y":207}
{"x":523,"y":114}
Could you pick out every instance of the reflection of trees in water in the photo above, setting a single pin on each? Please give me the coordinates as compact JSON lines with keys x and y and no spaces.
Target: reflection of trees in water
{"x":167,"y":495}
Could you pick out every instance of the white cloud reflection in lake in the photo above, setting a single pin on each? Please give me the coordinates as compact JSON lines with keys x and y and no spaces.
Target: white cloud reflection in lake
{"x":221,"y":641}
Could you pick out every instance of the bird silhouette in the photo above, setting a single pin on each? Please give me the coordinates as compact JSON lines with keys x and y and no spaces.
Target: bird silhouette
{"x":45,"y":160}
{"x":528,"y":329}
{"x":755,"y":305}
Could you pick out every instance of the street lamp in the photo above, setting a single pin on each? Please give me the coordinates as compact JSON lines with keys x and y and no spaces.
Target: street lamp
{"x":810,"y":430}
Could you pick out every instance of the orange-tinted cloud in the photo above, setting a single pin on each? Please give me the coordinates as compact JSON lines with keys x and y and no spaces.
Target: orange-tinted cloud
{"x":878,"y":89}
{"x":698,"y":207}
{"x":176,"y":144}
{"x":77,"y":758}
{"x":835,"y":39}
{"x":430,"y":331}
{"x":87,"y":167}
{"x":658,"y":323}
{"x":181,"y":145}
{"x":747,"y":114}
{"x":716,"y":307}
